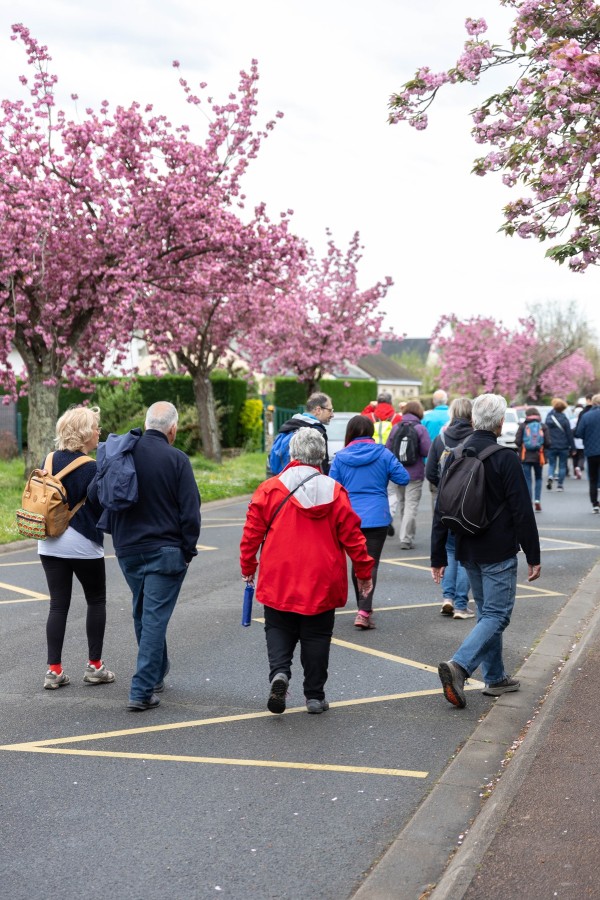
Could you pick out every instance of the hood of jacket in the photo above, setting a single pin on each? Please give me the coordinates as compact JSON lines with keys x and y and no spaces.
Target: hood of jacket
{"x":384,"y":411}
{"x":457,"y":431}
{"x":301,"y":420}
{"x":313,"y":498}
{"x":361,"y":452}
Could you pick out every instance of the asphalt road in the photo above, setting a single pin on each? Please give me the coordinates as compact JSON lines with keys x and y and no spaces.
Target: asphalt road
{"x":209,"y":794}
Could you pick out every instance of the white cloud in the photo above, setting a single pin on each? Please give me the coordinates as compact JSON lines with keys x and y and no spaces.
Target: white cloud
{"x":330,"y":67}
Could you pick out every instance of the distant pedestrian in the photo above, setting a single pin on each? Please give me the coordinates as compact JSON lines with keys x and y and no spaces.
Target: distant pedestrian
{"x":409,"y":495}
{"x":578,"y":456}
{"x":434,"y":419}
{"x":78,"y":551}
{"x":455,"y":583}
{"x":588,"y":429}
{"x":490,"y":558}
{"x":305,"y":525}
{"x":319,"y":412}
{"x":155,"y":541}
{"x":365,"y":469}
{"x":533,"y":442}
{"x":562,"y":444}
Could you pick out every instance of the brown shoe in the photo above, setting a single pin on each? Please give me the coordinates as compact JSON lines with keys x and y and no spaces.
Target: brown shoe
{"x":364,"y":622}
{"x":447,"y":608}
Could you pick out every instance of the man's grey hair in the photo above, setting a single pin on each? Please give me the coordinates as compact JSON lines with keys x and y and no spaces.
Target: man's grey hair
{"x":488,"y":412}
{"x":161,"y":416}
{"x":317,"y":399}
{"x":596,"y":400}
{"x":308,"y":446}
{"x":461,"y":408}
{"x":384,"y":397}
{"x":440,"y":398}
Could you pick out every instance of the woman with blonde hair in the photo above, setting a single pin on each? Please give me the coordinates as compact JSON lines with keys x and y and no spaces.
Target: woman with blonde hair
{"x":78,"y":551}
{"x":561,"y":443}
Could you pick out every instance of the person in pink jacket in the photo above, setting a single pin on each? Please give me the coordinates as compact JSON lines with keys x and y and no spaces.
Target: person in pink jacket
{"x":302,"y":523}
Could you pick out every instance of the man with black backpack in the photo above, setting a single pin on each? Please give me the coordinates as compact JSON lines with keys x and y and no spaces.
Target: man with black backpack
{"x":488,"y":539}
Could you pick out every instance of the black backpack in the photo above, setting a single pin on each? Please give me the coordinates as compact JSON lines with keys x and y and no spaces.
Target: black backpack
{"x":461,"y":498}
{"x":405,"y":446}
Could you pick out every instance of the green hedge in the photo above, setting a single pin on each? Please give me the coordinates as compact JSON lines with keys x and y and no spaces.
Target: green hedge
{"x":289,"y":393}
{"x":230,"y":394}
{"x":349,"y":396}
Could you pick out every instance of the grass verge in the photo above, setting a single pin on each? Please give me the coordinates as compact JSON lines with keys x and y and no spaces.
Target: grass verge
{"x":232,"y":478}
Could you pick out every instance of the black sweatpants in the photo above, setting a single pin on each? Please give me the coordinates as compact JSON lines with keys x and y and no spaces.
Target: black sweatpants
{"x":92,"y":577}
{"x":283,"y":631}
{"x":375,"y":538}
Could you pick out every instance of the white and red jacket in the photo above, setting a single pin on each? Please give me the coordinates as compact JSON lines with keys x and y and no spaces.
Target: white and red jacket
{"x":303,"y":561}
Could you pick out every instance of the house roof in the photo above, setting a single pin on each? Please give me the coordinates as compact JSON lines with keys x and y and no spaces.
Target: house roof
{"x":380,"y":367}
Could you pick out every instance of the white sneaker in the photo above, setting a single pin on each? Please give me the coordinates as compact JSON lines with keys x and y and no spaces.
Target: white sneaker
{"x":463,"y":614}
{"x":98,"y":676}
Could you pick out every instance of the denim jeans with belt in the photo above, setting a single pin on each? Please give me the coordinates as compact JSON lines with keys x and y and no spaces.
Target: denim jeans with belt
{"x":455,"y":583}
{"x":155,"y":579}
{"x":494,"y":587}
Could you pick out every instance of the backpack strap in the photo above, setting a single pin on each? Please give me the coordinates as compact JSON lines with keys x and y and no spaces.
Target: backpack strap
{"x":80,"y":461}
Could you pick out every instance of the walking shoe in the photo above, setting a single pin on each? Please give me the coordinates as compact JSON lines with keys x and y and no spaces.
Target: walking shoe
{"x":537,"y":506}
{"x":463,"y":614}
{"x":406,"y":545}
{"x":317,"y":706}
{"x":159,"y":688}
{"x":453,"y":677}
{"x":364,"y":621}
{"x":98,"y":676}
{"x":502,"y":687}
{"x":142,"y":705}
{"x":577,"y":472}
{"x":549,"y":484}
{"x":52,"y":681}
{"x":279,"y":686}
{"x":596,"y":509}
{"x":560,"y":488}
{"x":391,"y":531}
{"x":447,"y":607}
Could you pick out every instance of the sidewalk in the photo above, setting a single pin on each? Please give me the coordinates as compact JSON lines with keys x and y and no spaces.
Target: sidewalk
{"x":538,"y":833}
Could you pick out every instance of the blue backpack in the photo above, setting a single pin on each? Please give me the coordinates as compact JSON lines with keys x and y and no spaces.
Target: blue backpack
{"x":116,"y":477}
{"x":279,"y":456}
{"x":533,"y":435}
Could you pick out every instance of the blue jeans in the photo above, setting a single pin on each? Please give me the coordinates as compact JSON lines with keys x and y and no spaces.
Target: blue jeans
{"x":155,"y":579}
{"x":534,"y":468}
{"x":455,"y":583}
{"x":494,"y":587}
{"x":560,"y":456}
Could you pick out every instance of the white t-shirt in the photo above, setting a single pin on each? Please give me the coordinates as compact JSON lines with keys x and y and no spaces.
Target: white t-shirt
{"x":71,"y":545}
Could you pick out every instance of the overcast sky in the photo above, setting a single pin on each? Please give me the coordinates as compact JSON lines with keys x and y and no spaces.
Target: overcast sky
{"x":330,"y":67}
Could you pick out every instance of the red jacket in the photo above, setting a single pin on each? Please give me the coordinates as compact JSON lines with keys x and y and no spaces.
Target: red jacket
{"x":303,"y":561}
{"x":383,"y":412}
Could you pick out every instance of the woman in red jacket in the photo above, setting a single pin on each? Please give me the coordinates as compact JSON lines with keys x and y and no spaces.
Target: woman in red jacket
{"x":306,"y":525}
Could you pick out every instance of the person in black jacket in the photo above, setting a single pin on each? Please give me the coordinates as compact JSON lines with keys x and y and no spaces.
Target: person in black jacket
{"x":490,"y":558}
{"x":78,"y":551}
{"x":533,"y":458}
{"x":155,"y":541}
{"x":563,"y":444}
{"x":455,"y":583}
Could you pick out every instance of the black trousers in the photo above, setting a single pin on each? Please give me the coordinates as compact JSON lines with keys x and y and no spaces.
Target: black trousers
{"x":375,"y":541}
{"x":92,"y":577}
{"x":593,"y":464}
{"x":283,"y":630}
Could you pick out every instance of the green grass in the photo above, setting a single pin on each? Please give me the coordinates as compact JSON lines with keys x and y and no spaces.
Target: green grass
{"x":236,"y":476}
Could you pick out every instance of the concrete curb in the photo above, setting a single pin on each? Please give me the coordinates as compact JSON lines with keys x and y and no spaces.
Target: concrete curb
{"x":416,"y":860}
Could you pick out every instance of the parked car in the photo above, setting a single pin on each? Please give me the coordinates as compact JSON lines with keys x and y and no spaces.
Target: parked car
{"x":509,"y":428}
{"x":336,"y":431}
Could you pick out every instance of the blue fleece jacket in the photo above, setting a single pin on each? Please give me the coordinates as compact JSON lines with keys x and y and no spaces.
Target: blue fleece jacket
{"x":364,"y":468}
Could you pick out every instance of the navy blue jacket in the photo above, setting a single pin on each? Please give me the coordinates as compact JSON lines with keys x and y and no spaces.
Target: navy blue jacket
{"x":515,"y":525}
{"x":588,"y":429}
{"x":561,"y":436}
{"x":167,"y":513}
{"x":364,"y":469}
{"x":76,"y":484}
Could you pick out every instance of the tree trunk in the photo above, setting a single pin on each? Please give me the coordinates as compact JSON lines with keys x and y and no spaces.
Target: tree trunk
{"x":43,"y":413}
{"x":207,"y":416}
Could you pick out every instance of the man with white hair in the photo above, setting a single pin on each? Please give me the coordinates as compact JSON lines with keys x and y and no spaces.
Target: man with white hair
{"x":435,"y":419}
{"x":489,"y":557}
{"x":302,"y":523}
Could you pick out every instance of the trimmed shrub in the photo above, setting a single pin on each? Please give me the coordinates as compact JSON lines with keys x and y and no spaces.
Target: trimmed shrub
{"x":251,"y":425}
{"x":289,"y":393}
{"x":349,"y":396}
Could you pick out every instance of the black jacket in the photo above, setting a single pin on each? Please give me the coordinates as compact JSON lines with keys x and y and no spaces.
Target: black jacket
{"x":514,"y":528}
{"x":76,"y":484}
{"x":454,"y":434}
{"x":297,"y":422}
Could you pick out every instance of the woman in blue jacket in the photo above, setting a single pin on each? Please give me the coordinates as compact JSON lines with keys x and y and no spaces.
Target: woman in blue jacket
{"x":364,"y":468}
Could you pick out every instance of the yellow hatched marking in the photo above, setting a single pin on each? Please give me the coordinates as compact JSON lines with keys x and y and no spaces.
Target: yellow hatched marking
{"x":225,"y":761}
{"x":30,"y":595}
{"x":24,"y":562}
{"x":568,"y":545}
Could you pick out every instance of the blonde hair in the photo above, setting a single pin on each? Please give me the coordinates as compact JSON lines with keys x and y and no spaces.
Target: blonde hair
{"x":558,"y":404}
{"x":76,"y":426}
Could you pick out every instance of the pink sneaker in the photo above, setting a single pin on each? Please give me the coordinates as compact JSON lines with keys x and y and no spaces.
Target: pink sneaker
{"x":364,"y":622}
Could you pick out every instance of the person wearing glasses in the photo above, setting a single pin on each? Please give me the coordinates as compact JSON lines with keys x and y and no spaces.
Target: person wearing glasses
{"x":319,"y":412}
{"x":78,"y":551}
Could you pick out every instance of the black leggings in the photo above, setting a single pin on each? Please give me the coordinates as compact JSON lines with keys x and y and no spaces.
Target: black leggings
{"x":92,"y":577}
{"x":375,"y":541}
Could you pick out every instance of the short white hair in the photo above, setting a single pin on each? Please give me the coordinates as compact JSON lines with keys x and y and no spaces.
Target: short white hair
{"x":308,"y":446}
{"x":161,"y":416}
{"x":440,"y":398}
{"x":488,"y":412}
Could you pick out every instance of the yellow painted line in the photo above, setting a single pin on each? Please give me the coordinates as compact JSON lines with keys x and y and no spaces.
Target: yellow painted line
{"x":352,"y":612}
{"x":25,"y":562}
{"x":224,"y":761}
{"x":205,"y":547}
{"x":569,"y":545}
{"x":32,"y":595}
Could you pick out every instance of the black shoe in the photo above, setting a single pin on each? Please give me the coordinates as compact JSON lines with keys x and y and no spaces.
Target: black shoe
{"x":453,"y":677}
{"x":391,"y":531}
{"x":142,"y":705}
{"x":316,"y":707}
{"x":501,"y":687}
{"x":279,"y":686}
{"x":549,"y":484}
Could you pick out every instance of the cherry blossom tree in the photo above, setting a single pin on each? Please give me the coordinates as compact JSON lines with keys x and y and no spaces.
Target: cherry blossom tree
{"x":322,"y":320}
{"x":544,"y":127}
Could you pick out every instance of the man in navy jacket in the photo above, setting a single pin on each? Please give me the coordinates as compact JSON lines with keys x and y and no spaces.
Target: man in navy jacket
{"x":588,"y":429}
{"x":155,"y":540}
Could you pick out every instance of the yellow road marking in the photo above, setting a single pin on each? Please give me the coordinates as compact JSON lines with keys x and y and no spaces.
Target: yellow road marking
{"x":31,"y":595}
{"x":224,"y":761}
